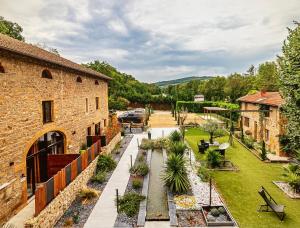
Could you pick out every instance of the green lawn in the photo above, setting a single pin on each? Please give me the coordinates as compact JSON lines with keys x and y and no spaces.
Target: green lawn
{"x":239,"y":189}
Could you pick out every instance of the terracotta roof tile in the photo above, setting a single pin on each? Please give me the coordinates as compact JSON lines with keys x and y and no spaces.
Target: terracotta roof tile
{"x":9,"y":44}
{"x":268,"y":98}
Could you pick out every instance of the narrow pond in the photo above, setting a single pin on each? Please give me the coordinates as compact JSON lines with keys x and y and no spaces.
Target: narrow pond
{"x":157,"y":205}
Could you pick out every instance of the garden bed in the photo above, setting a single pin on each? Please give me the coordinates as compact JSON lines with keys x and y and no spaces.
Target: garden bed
{"x":190,"y":218}
{"x":122,"y":219}
{"x":287,"y":189}
{"x":217,"y":216}
{"x":226,"y":166}
{"x":77,"y":214}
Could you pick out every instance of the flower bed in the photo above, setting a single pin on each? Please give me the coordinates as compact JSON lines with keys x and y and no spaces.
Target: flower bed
{"x":217,"y":216}
{"x":287,"y":189}
{"x":190,"y":218}
{"x":77,"y":214}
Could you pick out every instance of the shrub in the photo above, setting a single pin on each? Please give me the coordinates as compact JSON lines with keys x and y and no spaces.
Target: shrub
{"x":263,"y":154}
{"x":175,"y":136}
{"x":175,"y":174}
{"x":213,"y":158}
{"x":292,"y":176}
{"x":215,"y":212}
{"x":130,"y":203}
{"x":137,"y":183}
{"x":248,"y":142}
{"x":99,"y":177}
{"x":177,"y":148}
{"x":141,"y":169}
{"x":141,"y":158}
{"x":146,"y":144}
{"x":159,"y":143}
{"x":105,"y":163}
{"x":204,"y":173}
{"x":88,"y":193}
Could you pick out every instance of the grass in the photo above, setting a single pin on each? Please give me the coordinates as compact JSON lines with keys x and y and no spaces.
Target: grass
{"x":240,"y":189}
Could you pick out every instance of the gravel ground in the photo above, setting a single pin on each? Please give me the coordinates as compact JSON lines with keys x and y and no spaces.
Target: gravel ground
{"x":286,"y":188}
{"x":81,"y":212}
{"x":122,"y":219}
{"x":190,"y":218}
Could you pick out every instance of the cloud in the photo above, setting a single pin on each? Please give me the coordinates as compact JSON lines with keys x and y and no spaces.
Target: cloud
{"x":159,"y":40}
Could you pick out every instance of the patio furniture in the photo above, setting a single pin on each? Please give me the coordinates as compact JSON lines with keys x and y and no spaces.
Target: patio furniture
{"x":202,"y":146}
{"x":270,"y":204}
{"x":222,"y":148}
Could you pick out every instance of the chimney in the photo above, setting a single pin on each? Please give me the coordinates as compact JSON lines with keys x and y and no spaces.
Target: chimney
{"x":263,"y":93}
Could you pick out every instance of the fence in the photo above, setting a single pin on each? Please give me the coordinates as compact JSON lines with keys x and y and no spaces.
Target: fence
{"x":47,"y":191}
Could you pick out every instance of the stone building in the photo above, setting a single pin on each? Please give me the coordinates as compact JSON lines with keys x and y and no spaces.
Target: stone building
{"x":267,"y":127}
{"x":48,"y":105}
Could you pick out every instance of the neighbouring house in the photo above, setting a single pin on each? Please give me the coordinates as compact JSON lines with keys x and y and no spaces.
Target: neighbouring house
{"x":267,"y":127}
{"x":199,"y":98}
{"x":48,"y":106}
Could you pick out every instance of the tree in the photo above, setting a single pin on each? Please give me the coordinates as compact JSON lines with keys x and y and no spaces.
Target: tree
{"x":289,"y":84}
{"x":213,"y":89}
{"x":213,"y":129}
{"x":11,"y":29}
{"x":268,"y":76}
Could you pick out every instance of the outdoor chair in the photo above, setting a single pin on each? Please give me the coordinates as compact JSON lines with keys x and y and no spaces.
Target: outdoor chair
{"x":202,"y":146}
{"x":271,"y":205}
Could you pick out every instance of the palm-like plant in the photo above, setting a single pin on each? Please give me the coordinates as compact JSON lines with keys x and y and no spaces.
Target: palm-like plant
{"x":175,"y":136}
{"x":175,"y":174}
{"x":177,"y":148}
{"x":292,"y":176}
{"x":213,"y":158}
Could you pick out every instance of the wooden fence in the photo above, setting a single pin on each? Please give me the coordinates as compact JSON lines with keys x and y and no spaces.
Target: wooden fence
{"x":47,"y":191}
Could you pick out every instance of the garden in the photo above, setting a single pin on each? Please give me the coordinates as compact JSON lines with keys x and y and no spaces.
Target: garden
{"x":240,"y":189}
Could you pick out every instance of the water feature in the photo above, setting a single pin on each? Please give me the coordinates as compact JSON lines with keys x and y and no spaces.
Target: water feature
{"x":157,"y":204}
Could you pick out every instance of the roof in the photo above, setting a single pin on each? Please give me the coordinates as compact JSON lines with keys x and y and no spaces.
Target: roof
{"x":19,"y":47}
{"x":215,"y":109}
{"x":267,"y":98}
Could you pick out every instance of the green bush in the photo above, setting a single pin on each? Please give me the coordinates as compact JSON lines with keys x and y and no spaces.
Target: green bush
{"x":249,"y":142}
{"x":146,"y":144}
{"x":175,"y":136}
{"x":130,"y":203}
{"x":204,"y":173}
{"x":99,"y":177}
{"x":263,"y":154}
{"x":105,"y":163}
{"x":213,"y":158}
{"x":292,"y":176}
{"x":177,"y":148}
{"x":175,"y":174}
{"x":140,"y":169}
{"x":137,"y":183}
{"x":141,"y":158}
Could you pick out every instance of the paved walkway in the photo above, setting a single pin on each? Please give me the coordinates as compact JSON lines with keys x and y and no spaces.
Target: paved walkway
{"x":104,"y":213}
{"x":162,"y":119}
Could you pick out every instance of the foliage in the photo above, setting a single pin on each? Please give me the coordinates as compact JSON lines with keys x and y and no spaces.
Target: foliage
{"x":289,"y":83}
{"x":175,"y":136}
{"x":11,"y":29}
{"x":268,"y":76}
{"x":175,"y":174}
{"x":249,"y":142}
{"x":204,"y":173}
{"x":212,"y":128}
{"x":137,"y":183}
{"x":140,"y":169}
{"x":99,"y":177}
{"x":292,"y":175}
{"x":213,"y":158}
{"x":130,"y":203}
{"x":263,"y":154}
{"x":147,"y":144}
{"x":177,"y":148}
{"x":105,"y":163}
{"x":88,"y":193}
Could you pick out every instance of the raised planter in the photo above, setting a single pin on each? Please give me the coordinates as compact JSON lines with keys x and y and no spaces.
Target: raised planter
{"x":221,"y":218}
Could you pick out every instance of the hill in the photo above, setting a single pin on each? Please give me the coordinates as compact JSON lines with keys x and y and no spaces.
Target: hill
{"x":181,"y":80}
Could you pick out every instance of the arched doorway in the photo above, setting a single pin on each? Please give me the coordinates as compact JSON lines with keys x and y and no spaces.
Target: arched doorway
{"x":51,"y":142}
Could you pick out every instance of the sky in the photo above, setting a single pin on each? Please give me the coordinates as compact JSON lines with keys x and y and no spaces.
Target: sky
{"x":157,"y":40}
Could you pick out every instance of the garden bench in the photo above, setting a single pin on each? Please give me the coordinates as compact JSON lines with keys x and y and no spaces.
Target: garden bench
{"x":270,"y":204}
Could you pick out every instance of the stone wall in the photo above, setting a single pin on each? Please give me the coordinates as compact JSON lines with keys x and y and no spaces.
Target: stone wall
{"x":51,"y":214}
{"x":272,"y":123}
{"x":21,"y":122}
{"x":108,"y":149}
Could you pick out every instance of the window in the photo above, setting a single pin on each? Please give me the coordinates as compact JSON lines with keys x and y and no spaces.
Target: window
{"x":2,"y":69}
{"x":96,"y":82}
{"x":104,"y":123}
{"x":97,"y":129}
{"x":47,"y":111}
{"x":79,"y":80}
{"x":86,"y":105}
{"x":246,"y":106}
{"x":97,"y":103}
{"x":89,"y":131}
{"x":267,"y":135}
{"x":246,"y":121}
{"x":46,"y":74}
{"x":267,"y":114}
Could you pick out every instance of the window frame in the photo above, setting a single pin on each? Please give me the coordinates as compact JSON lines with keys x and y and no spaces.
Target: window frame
{"x":86,"y":105}
{"x":47,"y":74}
{"x":267,"y":135}
{"x":79,"y":79}
{"x":246,"y":121}
{"x":97,"y":103}
{"x":46,"y":112}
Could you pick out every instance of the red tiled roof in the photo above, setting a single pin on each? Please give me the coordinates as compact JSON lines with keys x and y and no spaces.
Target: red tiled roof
{"x":268,"y":98}
{"x":15,"y":46}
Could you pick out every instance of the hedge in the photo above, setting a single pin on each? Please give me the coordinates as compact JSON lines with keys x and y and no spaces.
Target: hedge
{"x":197,"y":107}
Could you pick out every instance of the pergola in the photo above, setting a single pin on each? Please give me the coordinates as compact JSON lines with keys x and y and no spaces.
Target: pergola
{"x":209,"y":110}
